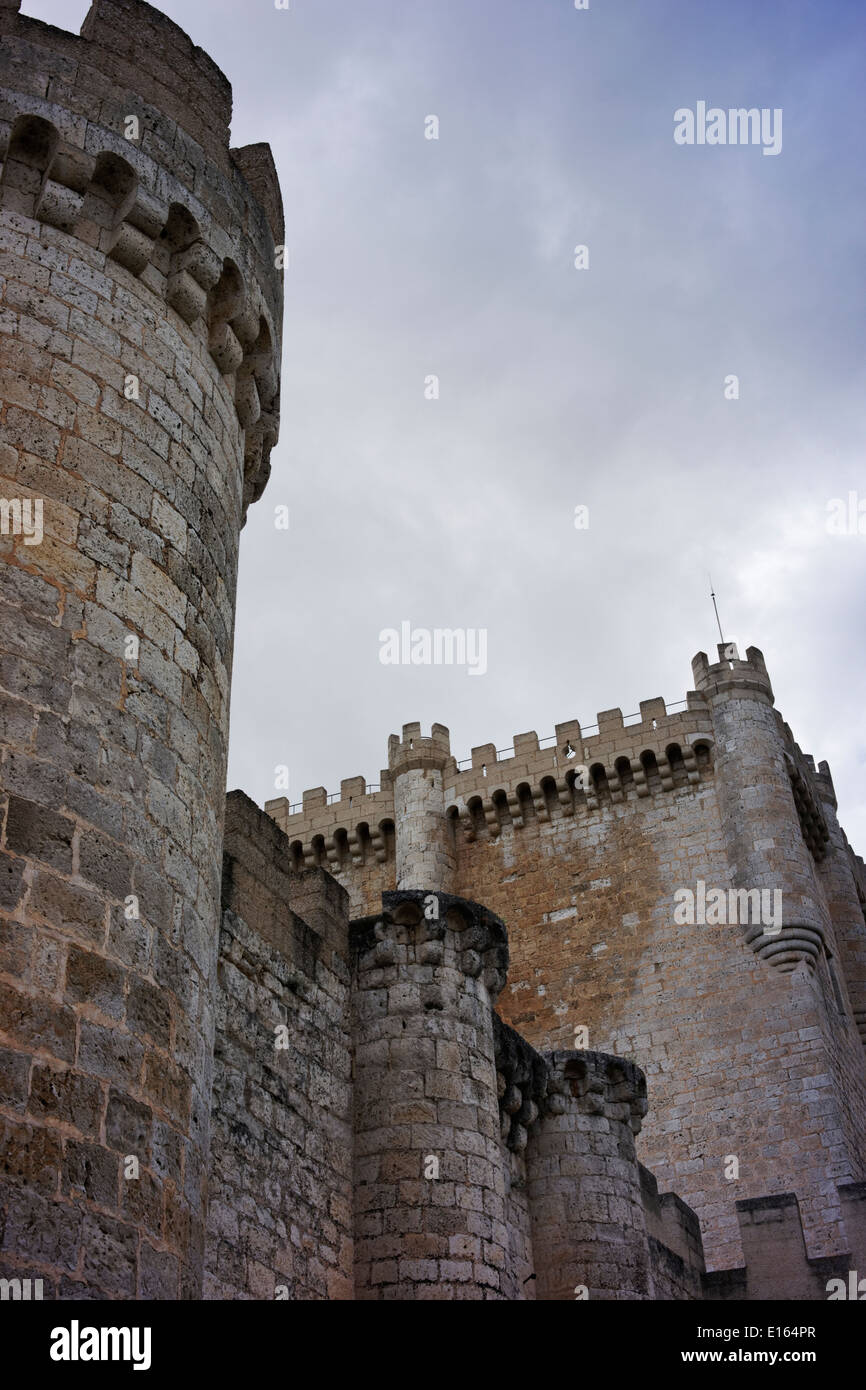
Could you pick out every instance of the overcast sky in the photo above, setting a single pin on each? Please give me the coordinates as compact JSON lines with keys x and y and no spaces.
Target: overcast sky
{"x":559,"y":387}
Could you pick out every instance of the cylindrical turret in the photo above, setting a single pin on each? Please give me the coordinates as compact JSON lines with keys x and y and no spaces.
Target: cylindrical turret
{"x":588,"y":1225}
{"x":765,"y":845}
{"x":139,"y":346}
{"x":426,"y":856}
{"x":429,"y":1176}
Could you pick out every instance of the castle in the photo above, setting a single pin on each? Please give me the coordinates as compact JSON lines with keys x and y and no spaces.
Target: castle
{"x":583,"y":1018}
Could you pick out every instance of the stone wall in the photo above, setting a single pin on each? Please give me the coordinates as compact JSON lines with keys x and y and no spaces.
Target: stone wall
{"x":676,"y":1249}
{"x":280,"y":1181}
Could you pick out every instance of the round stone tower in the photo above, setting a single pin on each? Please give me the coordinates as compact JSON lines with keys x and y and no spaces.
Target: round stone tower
{"x":429,"y":1185}
{"x":588,"y":1223}
{"x":425,"y":850}
{"x":764,"y":841}
{"x":140,"y":318}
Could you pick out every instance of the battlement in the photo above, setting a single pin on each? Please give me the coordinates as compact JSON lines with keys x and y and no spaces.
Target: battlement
{"x":415,"y":751}
{"x":675,"y":1243}
{"x":776,"y":1263}
{"x":652,"y":753}
{"x":576,"y":769}
{"x":338,"y":832}
{"x":119,"y":138}
{"x":641,"y":751}
{"x":572,"y":741}
{"x":730,"y":673}
{"x":138,"y":49}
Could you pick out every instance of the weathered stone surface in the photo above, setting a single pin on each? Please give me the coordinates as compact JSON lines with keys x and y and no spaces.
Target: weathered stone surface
{"x":281,"y":1170}
{"x":178,"y":1023}
{"x":585,"y":871}
{"x":115,"y":634}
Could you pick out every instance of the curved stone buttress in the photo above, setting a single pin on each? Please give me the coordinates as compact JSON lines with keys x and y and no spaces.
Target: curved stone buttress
{"x":140,"y":320}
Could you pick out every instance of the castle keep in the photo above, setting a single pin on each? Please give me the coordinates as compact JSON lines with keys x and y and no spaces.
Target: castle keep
{"x":468,"y":1032}
{"x":750,"y":1035}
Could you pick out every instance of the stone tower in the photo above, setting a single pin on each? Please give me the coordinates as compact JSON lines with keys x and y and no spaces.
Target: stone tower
{"x":424,"y":838}
{"x":765,"y":845}
{"x":426,"y":1111}
{"x":140,"y":321}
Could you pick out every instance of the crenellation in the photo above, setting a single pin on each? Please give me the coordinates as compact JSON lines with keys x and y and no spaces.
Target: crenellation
{"x":484,"y":754}
{"x":568,"y":735}
{"x":524,"y":745}
{"x":652,"y":710}
{"x":151,"y":209}
{"x":730,"y":673}
{"x":609,"y":722}
{"x":491,"y":775}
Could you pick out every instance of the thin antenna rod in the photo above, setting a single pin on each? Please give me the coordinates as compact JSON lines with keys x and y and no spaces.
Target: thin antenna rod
{"x":715,"y":609}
